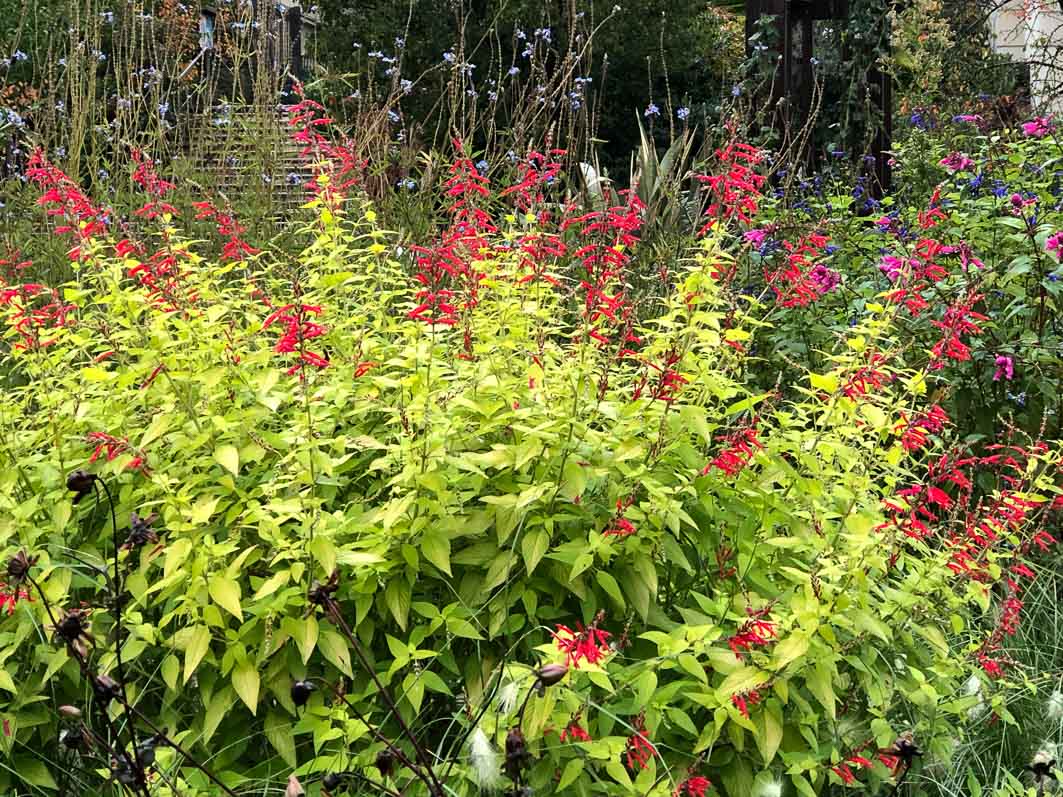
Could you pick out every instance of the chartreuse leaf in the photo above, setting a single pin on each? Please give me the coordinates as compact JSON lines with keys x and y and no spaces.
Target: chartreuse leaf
{"x":533,"y":547}
{"x":225,"y":592}
{"x":196,"y":648}
{"x":334,"y":648}
{"x":572,"y":770}
{"x":229,"y":458}
{"x":33,"y":771}
{"x":245,"y":680}
{"x":304,"y":630}
{"x":278,"y":728}
{"x":818,"y":681}
{"x":397,"y":598}
{"x":435,"y":546}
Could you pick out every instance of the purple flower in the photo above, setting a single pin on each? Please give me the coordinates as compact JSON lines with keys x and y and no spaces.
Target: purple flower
{"x":1039,"y":127}
{"x":824,"y":279}
{"x":957,"y":162}
{"x":651,"y":110}
{"x":1005,"y":368}
{"x":683,"y":113}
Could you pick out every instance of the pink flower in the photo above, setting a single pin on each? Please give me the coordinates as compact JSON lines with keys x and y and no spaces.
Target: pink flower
{"x":1039,"y":127}
{"x":892,"y":267}
{"x":756,"y":237}
{"x":957,"y":162}
{"x":824,"y":279}
{"x":1005,"y":368}
{"x":1055,"y":244}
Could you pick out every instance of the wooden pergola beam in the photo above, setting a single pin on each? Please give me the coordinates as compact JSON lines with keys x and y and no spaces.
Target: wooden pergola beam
{"x":790,"y":97}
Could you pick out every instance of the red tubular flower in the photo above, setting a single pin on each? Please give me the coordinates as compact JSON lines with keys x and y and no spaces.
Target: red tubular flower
{"x":589,"y":644}
{"x":37,"y":313}
{"x":298,"y":329}
{"x":9,"y":598}
{"x":914,"y":432}
{"x":575,"y":732}
{"x":147,"y":178}
{"x":735,"y":191}
{"x":335,"y":162}
{"x":845,"y":773}
{"x":743,"y":700}
{"x":740,"y":451}
{"x":62,"y":197}
{"x":794,"y":284}
{"x":235,"y":248}
{"x":959,"y":320}
{"x":754,"y":632}
{"x":639,"y":747}
{"x":868,"y":377}
{"x":536,"y":172}
{"x":112,"y":447}
{"x":694,"y":786}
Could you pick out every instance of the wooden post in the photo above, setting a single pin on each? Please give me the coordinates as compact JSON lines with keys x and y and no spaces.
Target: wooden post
{"x":295,"y":34}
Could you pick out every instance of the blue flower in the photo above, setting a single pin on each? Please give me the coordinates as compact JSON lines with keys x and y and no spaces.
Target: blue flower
{"x":449,"y":57}
{"x":736,"y":90}
{"x":651,"y":110}
{"x":393,"y":117}
{"x":513,"y":70}
{"x":683,"y":112}
{"x":482,"y":167}
{"x":407,"y":183}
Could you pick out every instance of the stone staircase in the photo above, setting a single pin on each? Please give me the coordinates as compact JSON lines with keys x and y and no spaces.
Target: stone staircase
{"x":248,"y":151}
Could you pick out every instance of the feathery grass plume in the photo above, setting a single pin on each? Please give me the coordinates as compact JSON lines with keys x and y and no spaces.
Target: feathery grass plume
{"x":507,"y":697}
{"x":486,"y":761}
{"x":1054,"y":706}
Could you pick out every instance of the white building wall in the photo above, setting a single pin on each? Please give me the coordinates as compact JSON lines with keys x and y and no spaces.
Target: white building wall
{"x":1032,"y":30}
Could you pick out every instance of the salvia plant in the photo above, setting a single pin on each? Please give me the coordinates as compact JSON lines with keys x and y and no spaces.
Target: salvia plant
{"x":516,"y":506}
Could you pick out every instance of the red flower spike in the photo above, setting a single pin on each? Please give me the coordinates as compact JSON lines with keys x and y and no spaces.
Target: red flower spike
{"x":694,"y":786}
{"x":589,"y":644}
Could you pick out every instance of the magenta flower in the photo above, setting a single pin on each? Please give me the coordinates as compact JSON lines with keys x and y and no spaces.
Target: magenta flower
{"x":1039,"y":127}
{"x":892,"y":267}
{"x":823,"y":279}
{"x":1055,"y":244}
{"x":1005,"y":368}
{"x":957,"y":162}
{"x":756,"y":237}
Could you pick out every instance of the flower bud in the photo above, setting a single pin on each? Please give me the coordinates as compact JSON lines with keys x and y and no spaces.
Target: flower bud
{"x":18,"y":567}
{"x":552,"y":674}
{"x":295,"y":788}
{"x":80,"y":482}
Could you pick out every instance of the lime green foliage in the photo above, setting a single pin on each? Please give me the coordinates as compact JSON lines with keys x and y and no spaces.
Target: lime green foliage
{"x":469,"y":498}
